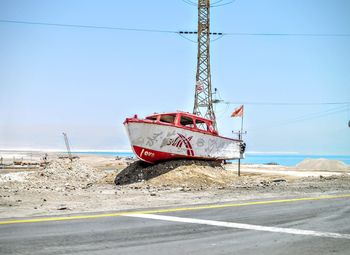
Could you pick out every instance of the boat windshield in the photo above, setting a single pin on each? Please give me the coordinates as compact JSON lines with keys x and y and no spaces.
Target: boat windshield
{"x":202,"y":125}
{"x":186,"y":121}
{"x":151,"y":118}
{"x":168,"y":118}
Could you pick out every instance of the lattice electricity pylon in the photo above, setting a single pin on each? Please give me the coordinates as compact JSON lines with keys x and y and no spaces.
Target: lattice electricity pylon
{"x":203,"y":103}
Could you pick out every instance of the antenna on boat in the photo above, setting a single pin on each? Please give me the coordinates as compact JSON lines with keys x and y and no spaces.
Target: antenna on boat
{"x":203,"y":101}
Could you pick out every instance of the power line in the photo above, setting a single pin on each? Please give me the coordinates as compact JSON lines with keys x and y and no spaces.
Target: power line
{"x":190,"y":2}
{"x":285,"y":103}
{"x":214,"y":4}
{"x":186,"y":38}
{"x":289,"y":34}
{"x":183,"y":33}
{"x":89,"y":26}
{"x":302,"y":118}
{"x":316,"y":115}
{"x":172,"y":31}
{"x":219,"y":3}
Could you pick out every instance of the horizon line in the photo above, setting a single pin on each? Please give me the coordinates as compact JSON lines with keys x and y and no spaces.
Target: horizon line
{"x":130,"y":151}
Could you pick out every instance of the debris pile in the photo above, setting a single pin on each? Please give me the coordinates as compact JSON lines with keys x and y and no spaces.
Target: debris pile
{"x":62,"y":173}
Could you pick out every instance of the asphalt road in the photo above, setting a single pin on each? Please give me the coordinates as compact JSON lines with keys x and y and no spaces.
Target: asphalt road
{"x":289,"y":227}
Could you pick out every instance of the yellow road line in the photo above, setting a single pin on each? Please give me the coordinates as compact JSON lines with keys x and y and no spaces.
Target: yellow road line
{"x":200,"y":207}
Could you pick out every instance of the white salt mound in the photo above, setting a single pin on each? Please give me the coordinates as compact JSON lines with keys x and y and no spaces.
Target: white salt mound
{"x":323,"y":164}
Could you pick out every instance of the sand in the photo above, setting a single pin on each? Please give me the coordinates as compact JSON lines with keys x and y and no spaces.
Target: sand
{"x":88,"y":184}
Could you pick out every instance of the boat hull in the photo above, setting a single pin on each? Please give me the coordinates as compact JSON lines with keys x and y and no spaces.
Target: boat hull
{"x":152,"y":142}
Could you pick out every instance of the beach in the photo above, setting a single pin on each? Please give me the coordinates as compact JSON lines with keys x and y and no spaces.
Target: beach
{"x":48,"y":183}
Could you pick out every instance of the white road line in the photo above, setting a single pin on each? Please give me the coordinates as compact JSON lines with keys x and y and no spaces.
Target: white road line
{"x":241,"y":226}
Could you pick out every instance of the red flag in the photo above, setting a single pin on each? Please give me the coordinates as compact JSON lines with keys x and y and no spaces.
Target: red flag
{"x":238,"y":112}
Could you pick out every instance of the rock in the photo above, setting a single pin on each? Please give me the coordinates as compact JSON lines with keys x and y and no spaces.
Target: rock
{"x":62,"y":207}
{"x":185,"y":189}
{"x":88,"y":185}
{"x":264,"y":183}
{"x":279,"y":180}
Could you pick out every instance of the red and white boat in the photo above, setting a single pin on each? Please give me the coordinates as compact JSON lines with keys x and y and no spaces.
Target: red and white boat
{"x":179,"y":135}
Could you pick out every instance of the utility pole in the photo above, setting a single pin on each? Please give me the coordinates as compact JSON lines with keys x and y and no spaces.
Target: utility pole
{"x":67,"y":146}
{"x":203,"y":102}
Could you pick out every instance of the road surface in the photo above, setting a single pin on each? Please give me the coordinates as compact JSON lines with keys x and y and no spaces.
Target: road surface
{"x":318,"y":225}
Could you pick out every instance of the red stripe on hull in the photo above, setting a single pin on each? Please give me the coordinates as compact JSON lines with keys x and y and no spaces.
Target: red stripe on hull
{"x":152,"y":156}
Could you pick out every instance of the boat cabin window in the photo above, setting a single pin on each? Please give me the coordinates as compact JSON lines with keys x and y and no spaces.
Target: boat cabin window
{"x":202,"y":125}
{"x":151,"y":118}
{"x":186,"y":121}
{"x":167,"y":118}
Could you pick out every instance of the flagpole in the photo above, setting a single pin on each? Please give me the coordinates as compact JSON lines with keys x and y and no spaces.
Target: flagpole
{"x":242,"y":122}
{"x":240,"y":133}
{"x":239,"y":112}
{"x":239,"y":164}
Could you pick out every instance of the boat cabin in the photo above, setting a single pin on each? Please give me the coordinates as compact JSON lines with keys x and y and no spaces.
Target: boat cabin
{"x":183,"y":120}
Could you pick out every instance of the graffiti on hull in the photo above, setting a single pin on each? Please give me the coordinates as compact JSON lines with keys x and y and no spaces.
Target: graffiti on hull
{"x":182,"y":141}
{"x":152,"y":140}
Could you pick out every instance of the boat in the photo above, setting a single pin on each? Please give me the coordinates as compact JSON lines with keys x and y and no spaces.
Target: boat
{"x":179,"y":135}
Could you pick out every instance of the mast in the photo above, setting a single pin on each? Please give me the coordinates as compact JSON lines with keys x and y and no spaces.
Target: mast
{"x":203,"y":102}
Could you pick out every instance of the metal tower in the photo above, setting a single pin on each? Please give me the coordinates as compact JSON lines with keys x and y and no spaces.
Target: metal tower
{"x":203,"y":103}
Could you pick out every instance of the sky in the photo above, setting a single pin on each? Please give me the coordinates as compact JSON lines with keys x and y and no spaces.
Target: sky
{"x":85,"y":82}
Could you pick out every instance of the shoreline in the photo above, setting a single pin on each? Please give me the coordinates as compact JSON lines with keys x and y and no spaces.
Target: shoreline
{"x":287,"y":159}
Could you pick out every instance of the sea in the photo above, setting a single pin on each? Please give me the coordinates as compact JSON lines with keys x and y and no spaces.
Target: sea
{"x":251,"y":158}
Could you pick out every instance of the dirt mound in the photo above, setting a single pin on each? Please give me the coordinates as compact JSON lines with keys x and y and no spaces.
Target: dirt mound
{"x":323,"y":164}
{"x":63,"y":173}
{"x":176,"y":173}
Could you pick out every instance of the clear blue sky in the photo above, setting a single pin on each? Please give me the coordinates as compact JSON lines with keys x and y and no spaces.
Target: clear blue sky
{"x":87,"y":81}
